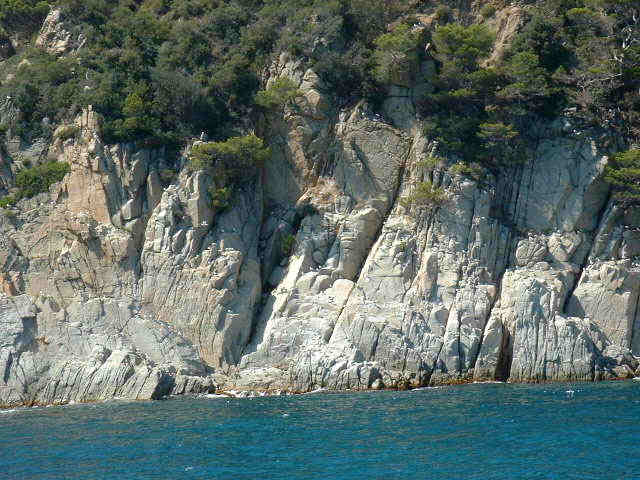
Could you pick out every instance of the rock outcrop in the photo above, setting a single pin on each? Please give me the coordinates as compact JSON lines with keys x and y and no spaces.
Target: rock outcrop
{"x":55,"y":36}
{"x":124,"y":281}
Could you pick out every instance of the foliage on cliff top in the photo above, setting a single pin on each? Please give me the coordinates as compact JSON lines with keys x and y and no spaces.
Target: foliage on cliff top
{"x":396,"y":54}
{"x":32,"y":181}
{"x":425,"y":194}
{"x":170,"y":70}
{"x":623,"y":173}
{"x":233,"y":157}
{"x":191,"y":65}
{"x":583,"y":54}
{"x":22,"y":15}
{"x":282,"y":92}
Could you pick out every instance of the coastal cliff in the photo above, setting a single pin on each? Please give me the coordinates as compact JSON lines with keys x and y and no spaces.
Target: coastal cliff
{"x":125,"y":280}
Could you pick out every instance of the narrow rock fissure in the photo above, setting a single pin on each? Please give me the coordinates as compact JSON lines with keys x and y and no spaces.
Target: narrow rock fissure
{"x":484,"y":328}
{"x":385,"y":217}
{"x":633,"y":325}
{"x":585,"y":261}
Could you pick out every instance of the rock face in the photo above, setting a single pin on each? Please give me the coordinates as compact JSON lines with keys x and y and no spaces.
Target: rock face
{"x":55,"y":36}
{"x":74,"y":323}
{"x":123,"y":281}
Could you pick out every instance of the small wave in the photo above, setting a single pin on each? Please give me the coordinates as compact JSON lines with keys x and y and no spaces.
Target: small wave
{"x":12,"y":410}
{"x":317,"y":390}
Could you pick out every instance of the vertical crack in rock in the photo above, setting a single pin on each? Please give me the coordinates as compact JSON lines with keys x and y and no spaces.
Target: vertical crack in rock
{"x":588,"y":255}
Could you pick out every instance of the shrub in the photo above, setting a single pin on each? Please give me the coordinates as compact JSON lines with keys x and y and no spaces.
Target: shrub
{"x":623,"y":173}
{"x":8,"y":212}
{"x":424,"y":195}
{"x":396,"y":54}
{"x":488,"y":11}
{"x":67,"y":131}
{"x":220,"y":197}
{"x":494,"y":134}
{"x":7,"y":201}
{"x":430,"y":162}
{"x":288,"y":245}
{"x":281,"y":92}
{"x":467,"y":170}
{"x":459,"y":48}
{"x":443,"y":14}
{"x":232,"y":157}
{"x":38,"y":179}
{"x":23,"y":15}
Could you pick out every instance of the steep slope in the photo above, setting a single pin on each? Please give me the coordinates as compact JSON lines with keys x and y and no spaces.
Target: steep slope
{"x":126,"y":280}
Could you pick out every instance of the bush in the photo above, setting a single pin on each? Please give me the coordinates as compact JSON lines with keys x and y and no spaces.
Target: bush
{"x":8,"y":213}
{"x":488,"y":11}
{"x":424,"y":195}
{"x":396,"y":55}
{"x":467,"y":170}
{"x":22,"y":15}
{"x":623,"y":173}
{"x":67,"y":131}
{"x":495,"y":134}
{"x":231,"y":158}
{"x":7,"y":201}
{"x":38,"y":179}
{"x":32,"y":181}
{"x":220,"y":197}
{"x":288,"y":245}
{"x":459,"y":48}
{"x":443,"y":14}
{"x":281,"y":93}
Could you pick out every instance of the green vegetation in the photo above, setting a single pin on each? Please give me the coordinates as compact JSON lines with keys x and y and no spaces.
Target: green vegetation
{"x":288,"y":245}
{"x":220,"y":197}
{"x":231,"y":158}
{"x":44,"y":87}
{"x":169,"y":70}
{"x":67,"y":131}
{"x":468,"y":170}
{"x":164,"y":71}
{"x":488,"y":10}
{"x":458,"y":113}
{"x":570,"y":53}
{"x":7,"y":201}
{"x":623,"y":173}
{"x":38,"y":179}
{"x":430,"y":162}
{"x":32,"y":181}
{"x":396,"y":55}
{"x":283,"y":92}
{"x":424,"y":195}
{"x":26,"y":15}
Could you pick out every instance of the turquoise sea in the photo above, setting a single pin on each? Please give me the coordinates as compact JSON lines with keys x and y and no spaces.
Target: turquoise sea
{"x":489,"y":431}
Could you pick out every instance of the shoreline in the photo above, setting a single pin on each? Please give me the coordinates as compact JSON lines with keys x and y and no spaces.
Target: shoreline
{"x":232,"y":393}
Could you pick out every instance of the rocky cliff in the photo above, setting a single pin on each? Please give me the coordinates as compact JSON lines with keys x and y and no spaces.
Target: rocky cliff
{"x":124,"y":281}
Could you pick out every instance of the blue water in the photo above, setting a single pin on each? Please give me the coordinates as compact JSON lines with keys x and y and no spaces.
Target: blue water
{"x":491,"y":431}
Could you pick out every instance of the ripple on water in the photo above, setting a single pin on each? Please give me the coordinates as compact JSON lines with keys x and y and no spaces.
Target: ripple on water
{"x":489,"y":431}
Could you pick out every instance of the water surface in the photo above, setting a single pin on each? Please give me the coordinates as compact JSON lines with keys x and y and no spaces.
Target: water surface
{"x":489,"y":431}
